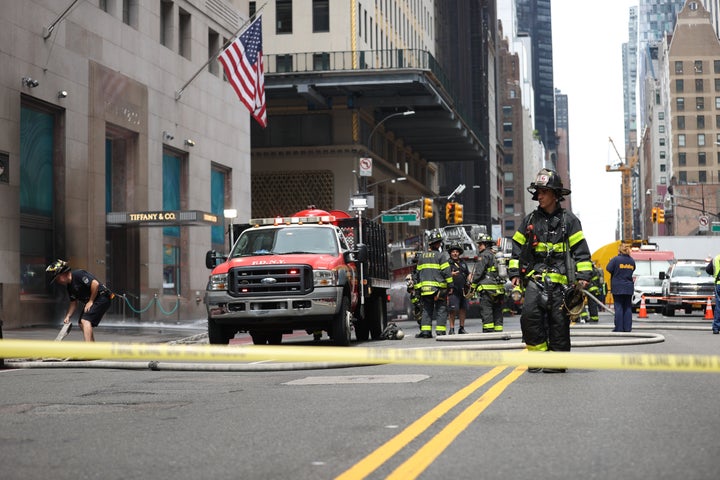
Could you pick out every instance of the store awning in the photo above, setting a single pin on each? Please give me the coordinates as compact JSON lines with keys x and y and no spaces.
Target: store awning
{"x":164,"y":218}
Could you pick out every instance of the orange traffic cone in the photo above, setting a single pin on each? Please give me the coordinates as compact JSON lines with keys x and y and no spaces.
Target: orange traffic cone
{"x":643,"y":309}
{"x":708,"y":310}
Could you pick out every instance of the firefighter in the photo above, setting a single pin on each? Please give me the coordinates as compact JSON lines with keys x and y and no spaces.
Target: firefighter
{"x":433,"y":281}
{"x":551,"y":259}
{"x":590,"y":313}
{"x":457,"y":303}
{"x":489,"y":285}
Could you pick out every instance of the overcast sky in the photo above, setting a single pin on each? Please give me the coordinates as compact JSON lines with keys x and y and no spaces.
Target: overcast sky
{"x":587,"y":63}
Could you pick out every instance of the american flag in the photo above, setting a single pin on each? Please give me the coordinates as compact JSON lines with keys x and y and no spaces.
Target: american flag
{"x":244,"y":68}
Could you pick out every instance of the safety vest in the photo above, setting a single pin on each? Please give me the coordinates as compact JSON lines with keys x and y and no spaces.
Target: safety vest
{"x":433,"y":272}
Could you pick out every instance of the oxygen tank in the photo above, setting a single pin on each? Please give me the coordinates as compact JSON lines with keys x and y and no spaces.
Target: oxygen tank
{"x":501,"y":263}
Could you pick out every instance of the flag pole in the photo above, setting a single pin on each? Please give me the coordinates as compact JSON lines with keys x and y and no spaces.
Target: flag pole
{"x":179,"y":93}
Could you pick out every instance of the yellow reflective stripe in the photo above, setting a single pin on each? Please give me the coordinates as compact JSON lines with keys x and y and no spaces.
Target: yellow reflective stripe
{"x":435,"y":266}
{"x":519,"y":238}
{"x":550,"y":247}
{"x":430,"y":283}
{"x":584,"y":266}
{"x":575,"y":238}
{"x":491,"y":287}
{"x":555,"y":277}
{"x":538,"y":348}
{"x":514,"y":263}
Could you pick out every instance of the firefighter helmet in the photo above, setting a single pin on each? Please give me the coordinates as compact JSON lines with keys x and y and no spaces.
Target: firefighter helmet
{"x":434,"y":236}
{"x":573,"y":300}
{"x":484,"y":238}
{"x":56,"y":268}
{"x":455,"y":246}
{"x":547,"y":178}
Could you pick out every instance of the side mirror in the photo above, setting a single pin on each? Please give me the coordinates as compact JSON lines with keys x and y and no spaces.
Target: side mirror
{"x":211,"y":259}
{"x":662,"y":276}
{"x":362,"y":253}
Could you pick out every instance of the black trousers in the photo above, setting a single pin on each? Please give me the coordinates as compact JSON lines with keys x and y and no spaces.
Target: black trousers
{"x":545,"y":324}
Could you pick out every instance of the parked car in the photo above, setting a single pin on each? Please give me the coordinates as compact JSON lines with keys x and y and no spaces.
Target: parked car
{"x":651,"y":287}
{"x":687,"y":286}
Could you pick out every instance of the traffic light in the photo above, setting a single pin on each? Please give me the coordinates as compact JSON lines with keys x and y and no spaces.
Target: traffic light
{"x":458,"y":214}
{"x":449,"y":212}
{"x":427,"y":211}
{"x":661,"y":215}
{"x":654,"y":214}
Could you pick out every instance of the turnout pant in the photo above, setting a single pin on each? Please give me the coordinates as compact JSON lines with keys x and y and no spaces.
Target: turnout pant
{"x":545,"y":324}
{"x":434,"y":309}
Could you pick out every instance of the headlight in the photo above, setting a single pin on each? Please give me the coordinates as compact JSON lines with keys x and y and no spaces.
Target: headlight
{"x":218,"y":282}
{"x":325,"y":278}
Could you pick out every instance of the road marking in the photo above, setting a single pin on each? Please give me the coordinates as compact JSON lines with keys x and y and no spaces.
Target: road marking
{"x":417,"y":464}
{"x":354,"y":379}
{"x":382,"y":454}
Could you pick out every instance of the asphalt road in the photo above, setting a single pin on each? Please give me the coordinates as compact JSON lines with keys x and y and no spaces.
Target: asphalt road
{"x":383,"y":421}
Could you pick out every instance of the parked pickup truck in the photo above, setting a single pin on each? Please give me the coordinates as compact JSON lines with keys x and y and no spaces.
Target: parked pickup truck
{"x":686,"y":286}
{"x":314,"y":271}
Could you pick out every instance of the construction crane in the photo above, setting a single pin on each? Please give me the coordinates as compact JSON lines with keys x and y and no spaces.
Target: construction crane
{"x":626,"y":169}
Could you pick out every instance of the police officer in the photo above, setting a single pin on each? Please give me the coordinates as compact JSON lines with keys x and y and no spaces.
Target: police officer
{"x":457,"y":303}
{"x":489,"y":285}
{"x":549,"y":255}
{"x":433,"y":281}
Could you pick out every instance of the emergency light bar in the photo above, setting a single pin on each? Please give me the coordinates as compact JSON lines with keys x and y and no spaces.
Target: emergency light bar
{"x":292,"y":220}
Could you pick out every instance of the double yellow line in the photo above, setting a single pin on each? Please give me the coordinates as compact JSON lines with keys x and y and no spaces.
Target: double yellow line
{"x":421,"y":459}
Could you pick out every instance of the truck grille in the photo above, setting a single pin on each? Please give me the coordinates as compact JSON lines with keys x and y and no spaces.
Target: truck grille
{"x":270,"y":280}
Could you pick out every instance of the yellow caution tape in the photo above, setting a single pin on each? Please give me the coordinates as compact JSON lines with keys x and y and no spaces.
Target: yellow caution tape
{"x":358,"y":355}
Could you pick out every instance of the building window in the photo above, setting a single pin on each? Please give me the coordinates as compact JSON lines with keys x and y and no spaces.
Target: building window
{"x":283,"y":15}
{"x":283,"y":63}
{"x":321,"y":15}
{"x":507,"y":127}
{"x":698,"y":85}
{"x":185,"y":31}
{"x":702,"y":160}
{"x":661,"y":115}
{"x":678,"y":66}
{"x":219,"y":198}
{"x":509,"y":193}
{"x":507,"y":110}
{"x":679,"y":85}
{"x":661,"y":128}
{"x":166,"y":23}
{"x":681,"y":122}
{"x":508,"y":159}
{"x":701,"y":122}
{"x":680,"y":104}
{"x":213,"y":47}
{"x":699,"y":103}
{"x":698,"y":66}
{"x":252,"y":8}
{"x":682,"y":159}
{"x":682,"y":177}
{"x":662,"y":141}
{"x":662,"y":154}
{"x":716,"y":66}
{"x":663,"y":167}
{"x":172,"y":192}
{"x":717,"y":84}
{"x":38,"y":191}
{"x":507,"y":142}
{"x":701,"y":139}
{"x":681,"y":140}
{"x":702,"y":176}
{"x":321,"y":61}
{"x":717,"y":103}
{"x":130,"y":12}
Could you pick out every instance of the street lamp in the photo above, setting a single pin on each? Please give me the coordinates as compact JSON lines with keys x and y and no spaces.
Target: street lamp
{"x":231,"y":214}
{"x":391,"y":180}
{"x":363,"y":180}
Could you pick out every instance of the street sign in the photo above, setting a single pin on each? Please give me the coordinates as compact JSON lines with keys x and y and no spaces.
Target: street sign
{"x":399,"y":218}
{"x":703,"y":223}
{"x":715,"y":227}
{"x":366,"y":164}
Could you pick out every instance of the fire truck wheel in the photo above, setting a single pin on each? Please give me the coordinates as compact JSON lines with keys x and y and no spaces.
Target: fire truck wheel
{"x":341,"y":324}
{"x":219,"y":334}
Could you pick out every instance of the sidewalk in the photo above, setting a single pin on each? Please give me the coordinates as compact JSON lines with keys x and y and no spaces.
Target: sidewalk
{"x":115,"y":331}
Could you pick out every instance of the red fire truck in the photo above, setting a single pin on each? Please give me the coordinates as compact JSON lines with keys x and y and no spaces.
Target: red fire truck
{"x":314,"y":271}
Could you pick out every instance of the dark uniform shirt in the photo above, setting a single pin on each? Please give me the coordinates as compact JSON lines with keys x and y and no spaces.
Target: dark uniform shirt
{"x":79,"y":286}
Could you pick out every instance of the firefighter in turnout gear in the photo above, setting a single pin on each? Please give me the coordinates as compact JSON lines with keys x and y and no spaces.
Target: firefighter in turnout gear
{"x":489,"y":285}
{"x":433,"y":280}
{"x":590,"y":312}
{"x":457,"y":303}
{"x":550,"y":257}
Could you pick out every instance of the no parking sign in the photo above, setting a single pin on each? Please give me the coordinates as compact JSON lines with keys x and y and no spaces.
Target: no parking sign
{"x":365,"y":167}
